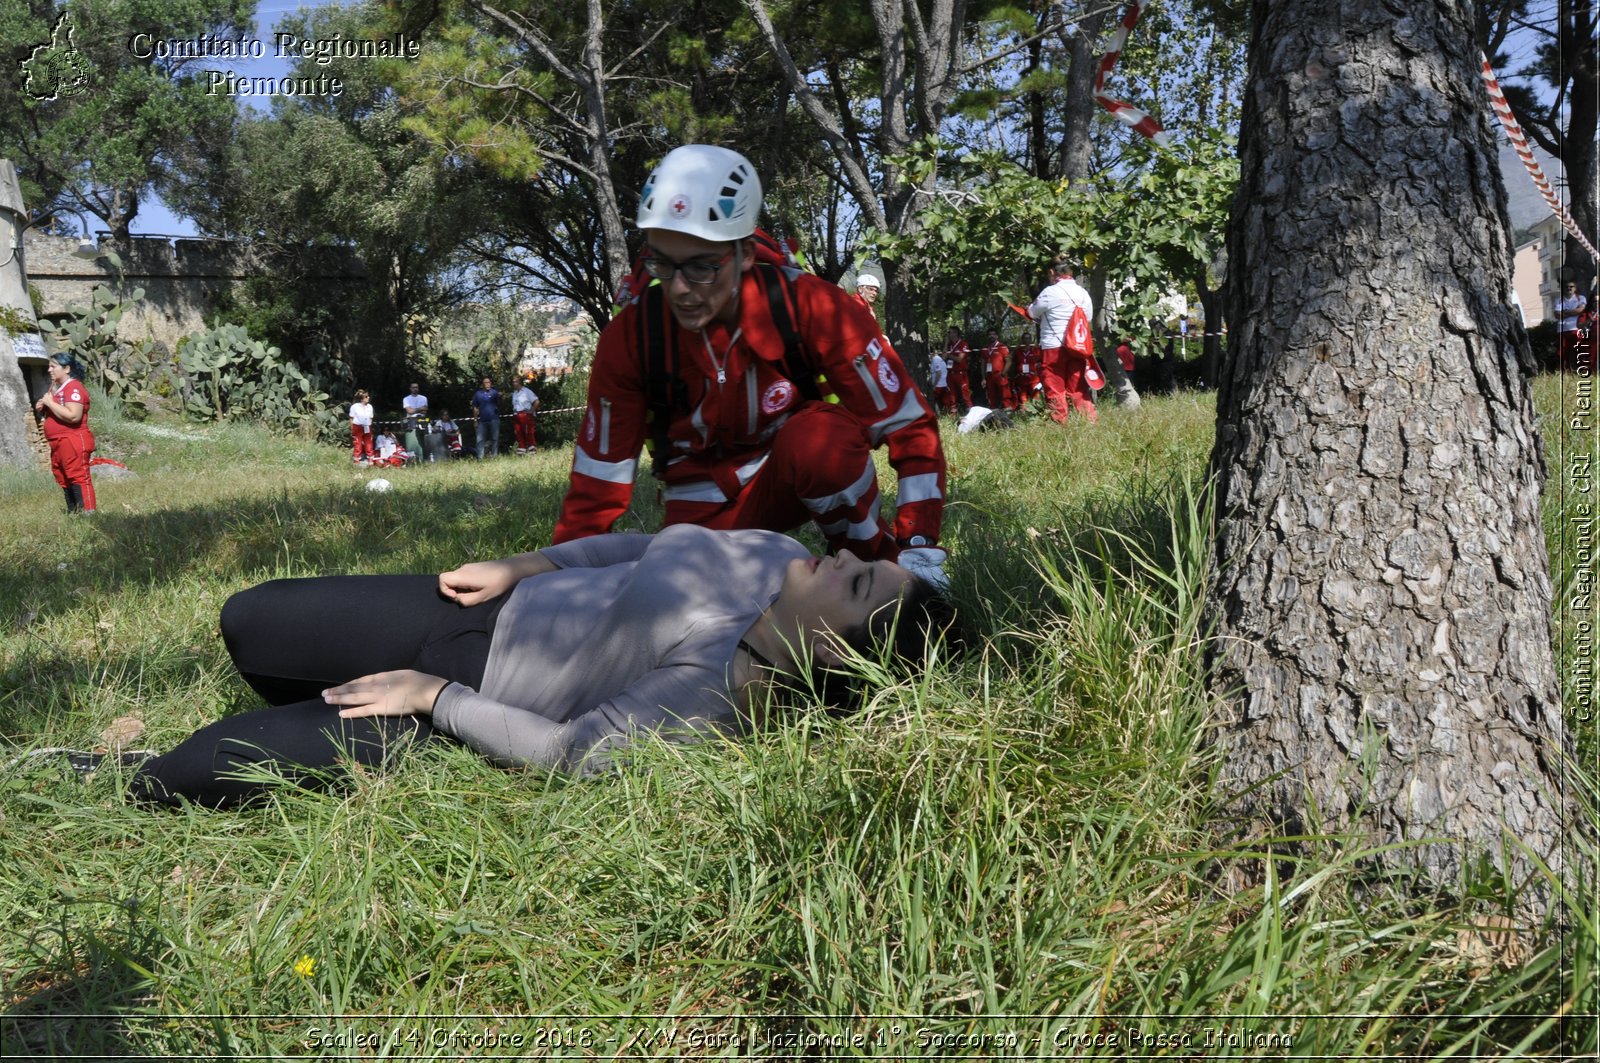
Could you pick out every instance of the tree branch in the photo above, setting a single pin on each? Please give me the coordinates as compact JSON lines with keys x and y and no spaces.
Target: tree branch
{"x":860,"y":185}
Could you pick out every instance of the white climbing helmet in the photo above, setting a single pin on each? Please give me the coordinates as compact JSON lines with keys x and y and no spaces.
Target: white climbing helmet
{"x":868,"y":280}
{"x":702,"y":190}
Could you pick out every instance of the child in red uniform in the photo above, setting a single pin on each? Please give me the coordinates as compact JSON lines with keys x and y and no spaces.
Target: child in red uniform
{"x":361,"y":428}
{"x":66,"y":428}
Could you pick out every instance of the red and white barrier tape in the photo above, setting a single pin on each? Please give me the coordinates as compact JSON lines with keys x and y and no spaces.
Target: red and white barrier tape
{"x":1125,"y":112}
{"x":473,"y":420}
{"x":1519,"y":140}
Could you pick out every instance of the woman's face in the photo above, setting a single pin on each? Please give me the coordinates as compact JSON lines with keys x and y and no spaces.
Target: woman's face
{"x":58,"y":373}
{"x":697,"y":305}
{"x":833,"y":594}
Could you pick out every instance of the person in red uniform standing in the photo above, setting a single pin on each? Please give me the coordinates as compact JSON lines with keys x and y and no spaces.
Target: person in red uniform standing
{"x":955,"y":356}
{"x":65,"y":408}
{"x":996,"y":383}
{"x":1025,"y":382}
{"x":730,"y":348}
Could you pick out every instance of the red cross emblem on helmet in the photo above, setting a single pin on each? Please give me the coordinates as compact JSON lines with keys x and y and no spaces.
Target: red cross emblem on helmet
{"x":679,"y":206}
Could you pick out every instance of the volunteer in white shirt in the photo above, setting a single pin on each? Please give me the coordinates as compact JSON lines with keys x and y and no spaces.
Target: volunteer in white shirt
{"x":1066,"y":348}
{"x":1568,"y":310}
{"x":524,"y":404}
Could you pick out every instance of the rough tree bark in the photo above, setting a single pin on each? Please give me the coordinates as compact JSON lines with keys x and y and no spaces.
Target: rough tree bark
{"x":1381,"y":596}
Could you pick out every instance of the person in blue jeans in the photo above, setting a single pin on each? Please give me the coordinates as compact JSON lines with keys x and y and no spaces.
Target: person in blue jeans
{"x":486,"y":401}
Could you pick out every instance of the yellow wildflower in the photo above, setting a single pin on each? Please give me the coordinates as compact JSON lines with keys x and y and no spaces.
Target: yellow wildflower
{"x":305,"y":967}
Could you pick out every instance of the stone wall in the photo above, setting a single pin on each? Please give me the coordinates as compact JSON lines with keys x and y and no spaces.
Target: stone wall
{"x":182,"y":279}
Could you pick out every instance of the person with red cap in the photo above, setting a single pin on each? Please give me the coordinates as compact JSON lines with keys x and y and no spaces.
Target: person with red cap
{"x":1066,"y":346}
{"x":762,"y":389}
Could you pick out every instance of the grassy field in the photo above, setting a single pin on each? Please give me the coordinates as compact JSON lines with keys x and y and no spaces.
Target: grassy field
{"x":1011,"y":854}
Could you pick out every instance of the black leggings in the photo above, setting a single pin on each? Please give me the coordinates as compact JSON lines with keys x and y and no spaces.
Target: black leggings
{"x":290,"y":640}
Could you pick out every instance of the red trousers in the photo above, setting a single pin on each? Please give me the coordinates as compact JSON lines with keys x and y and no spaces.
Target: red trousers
{"x":944,"y":399}
{"x":1023,"y":386}
{"x":69,"y":461}
{"x":522,"y":425}
{"x":1063,"y":374}
{"x":999,"y":389}
{"x":819,"y":468}
{"x":361,"y":442}
{"x":961,"y":384}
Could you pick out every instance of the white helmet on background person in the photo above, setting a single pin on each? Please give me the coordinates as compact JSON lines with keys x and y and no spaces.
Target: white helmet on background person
{"x":868,"y":280}
{"x":704,"y":191}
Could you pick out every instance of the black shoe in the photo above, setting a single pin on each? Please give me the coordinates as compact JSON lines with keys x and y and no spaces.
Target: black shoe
{"x":85,"y":764}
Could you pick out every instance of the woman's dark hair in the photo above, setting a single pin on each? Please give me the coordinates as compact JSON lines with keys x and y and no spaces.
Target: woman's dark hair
{"x":71,"y":364}
{"x":920,"y":615}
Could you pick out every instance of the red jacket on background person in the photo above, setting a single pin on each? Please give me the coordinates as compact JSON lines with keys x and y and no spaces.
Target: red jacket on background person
{"x":722,"y":436}
{"x":65,"y":410}
{"x":996,"y":359}
{"x":1025,"y":379}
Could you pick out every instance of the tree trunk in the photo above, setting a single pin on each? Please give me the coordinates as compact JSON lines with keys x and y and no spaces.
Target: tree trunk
{"x":1078,"y":109}
{"x":1106,"y":344}
{"x":1381,"y":598}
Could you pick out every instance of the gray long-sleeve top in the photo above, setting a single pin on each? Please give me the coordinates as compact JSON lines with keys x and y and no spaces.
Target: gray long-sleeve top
{"x":632,"y":633}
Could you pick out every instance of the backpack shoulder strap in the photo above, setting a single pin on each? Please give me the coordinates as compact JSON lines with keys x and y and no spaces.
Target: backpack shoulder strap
{"x":776,"y":283}
{"x":658,"y":345}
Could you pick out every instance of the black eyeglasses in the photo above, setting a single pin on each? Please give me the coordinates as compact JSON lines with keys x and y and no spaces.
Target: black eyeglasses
{"x":664,"y":269}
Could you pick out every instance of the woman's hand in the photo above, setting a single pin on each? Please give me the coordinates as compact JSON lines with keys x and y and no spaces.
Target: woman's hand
{"x":402,"y":693}
{"x":479,"y":581}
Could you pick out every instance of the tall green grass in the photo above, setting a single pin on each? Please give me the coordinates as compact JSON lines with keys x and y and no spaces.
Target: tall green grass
{"x":1014,"y":852}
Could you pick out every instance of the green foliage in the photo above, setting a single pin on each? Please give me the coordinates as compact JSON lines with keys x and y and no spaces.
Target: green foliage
{"x":121,"y":369}
{"x":230,"y":375}
{"x":1147,"y":234}
{"x":128,"y":121}
{"x":15,"y":321}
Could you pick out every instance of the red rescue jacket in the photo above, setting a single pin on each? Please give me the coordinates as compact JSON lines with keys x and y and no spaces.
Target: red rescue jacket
{"x":717,"y":430}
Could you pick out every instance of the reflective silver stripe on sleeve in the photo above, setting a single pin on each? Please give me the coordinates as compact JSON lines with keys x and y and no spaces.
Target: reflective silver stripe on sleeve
{"x":616,"y":472}
{"x":748,"y":470}
{"x":861,"y":530}
{"x":870,"y":382}
{"x":694,"y":491}
{"x":849,"y":496}
{"x":920,"y":488}
{"x":910,"y":409}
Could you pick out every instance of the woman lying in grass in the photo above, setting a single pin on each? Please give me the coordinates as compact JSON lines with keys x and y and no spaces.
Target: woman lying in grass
{"x":553,"y":658}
